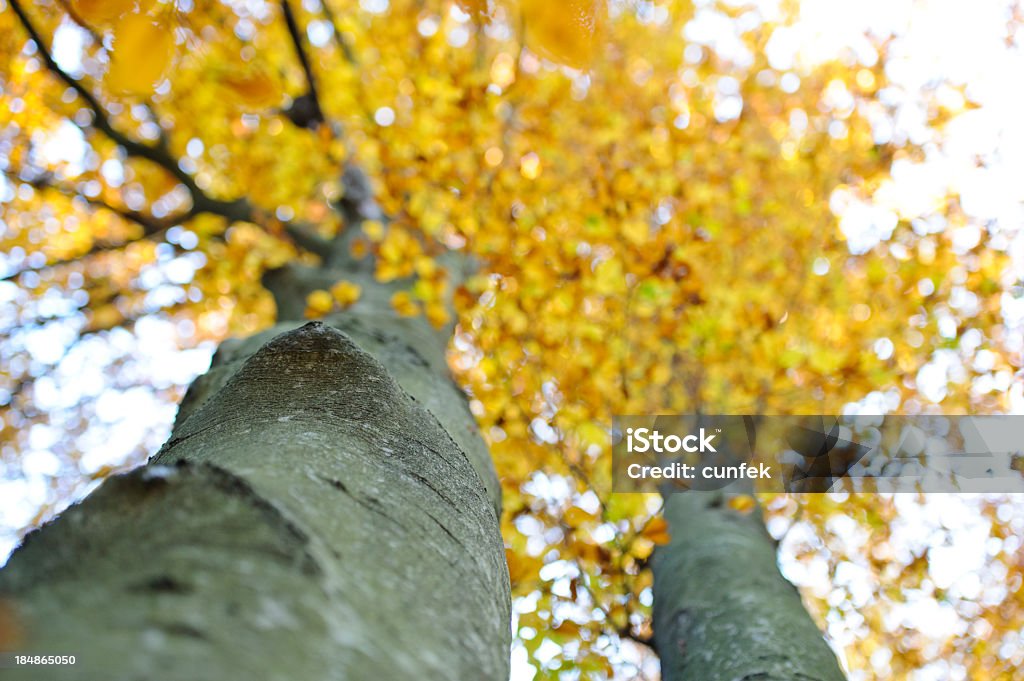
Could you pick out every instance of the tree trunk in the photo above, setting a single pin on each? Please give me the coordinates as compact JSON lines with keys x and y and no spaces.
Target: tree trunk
{"x":324,"y":509}
{"x":722,"y":611}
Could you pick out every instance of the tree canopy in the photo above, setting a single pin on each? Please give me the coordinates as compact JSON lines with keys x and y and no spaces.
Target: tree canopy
{"x":665,"y":216}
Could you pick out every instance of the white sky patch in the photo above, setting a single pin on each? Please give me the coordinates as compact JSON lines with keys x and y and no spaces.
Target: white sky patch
{"x":124,"y":419}
{"x":66,"y":145}
{"x":947,"y":527}
{"x":68,"y":44}
{"x":961,"y":43}
{"x":319,"y":32}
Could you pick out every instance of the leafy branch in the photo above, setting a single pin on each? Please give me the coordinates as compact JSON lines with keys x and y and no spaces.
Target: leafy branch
{"x":159,"y":153}
{"x":152,"y":227}
{"x":240,"y":209}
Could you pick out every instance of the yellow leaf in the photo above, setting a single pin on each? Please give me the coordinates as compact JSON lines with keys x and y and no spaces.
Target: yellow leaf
{"x":425,"y":266}
{"x":530,"y":166}
{"x":101,"y":11}
{"x":105,"y":317}
{"x":609,"y":278}
{"x":386,"y":271}
{"x":318,"y":303}
{"x":565,"y":32}
{"x":103,"y":472}
{"x":622,"y":506}
{"x":255,"y":89}
{"x":359,"y":249}
{"x":404,"y":305}
{"x":635,"y":231}
{"x":346,"y":293}
{"x":641,"y":548}
{"x":576,"y":516}
{"x":592,"y":434}
{"x":437,"y":315}
{"x":568,"y":628}
{"x":142,"y":54}
{"x":373,"y":229}
{"x":473,"y":7}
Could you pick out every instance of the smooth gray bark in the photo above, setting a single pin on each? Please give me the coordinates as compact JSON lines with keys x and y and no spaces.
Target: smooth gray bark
{"x":324,"y":509}
{"x":722,"y":610}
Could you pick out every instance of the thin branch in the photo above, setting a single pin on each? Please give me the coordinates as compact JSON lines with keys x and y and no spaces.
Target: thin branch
{"x":339,"y":38}
{"x":306,"y":239}
{"x":238,"y":209}
{"x":311,"y":100}
{"x":152,"y":227}
{"x":301,"y":234}
{"x":234,"y":210}
{"x":101,"y":121}
{"x":296,"y":35}
{"x":162,"y":141}
{"x":582,"y":476}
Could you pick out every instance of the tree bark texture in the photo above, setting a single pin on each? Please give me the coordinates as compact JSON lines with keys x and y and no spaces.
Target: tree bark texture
{"x":324,"y":509}
{"x":722,"y":610}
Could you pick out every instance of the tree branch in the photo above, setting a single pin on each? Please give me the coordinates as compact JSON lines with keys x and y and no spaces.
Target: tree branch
{"x":305,"y":111}
{"x":339,"y":39}
{"x":151,"y":227}
{"x":69,"y":9}
{"x":101,"y":120}
{"x":159,"y":153}
{"x":308,"y":240}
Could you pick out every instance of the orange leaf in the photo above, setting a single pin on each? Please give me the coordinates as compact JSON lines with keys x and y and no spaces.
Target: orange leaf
{"x":742,"y":503}
{"x":521,"y":567}
{"x":476,"y":8}
{"x":657,"y":531}
{"x":11,"y":633}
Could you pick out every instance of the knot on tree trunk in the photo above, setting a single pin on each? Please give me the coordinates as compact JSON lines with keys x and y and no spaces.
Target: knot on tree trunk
{"x":304,"y":374}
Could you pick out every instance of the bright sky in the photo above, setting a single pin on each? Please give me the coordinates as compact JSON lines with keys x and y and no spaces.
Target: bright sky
{"x":953,"y":41}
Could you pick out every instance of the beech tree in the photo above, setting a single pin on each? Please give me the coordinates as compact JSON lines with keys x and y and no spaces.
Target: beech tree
{"x":439,"y":245}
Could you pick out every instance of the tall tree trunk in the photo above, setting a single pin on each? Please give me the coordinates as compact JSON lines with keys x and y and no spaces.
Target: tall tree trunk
{"x":324,"y":509}
{"x":722,"y":611}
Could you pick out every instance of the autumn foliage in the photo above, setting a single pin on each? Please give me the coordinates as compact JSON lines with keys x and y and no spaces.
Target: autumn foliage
{"x":656,"y":221}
